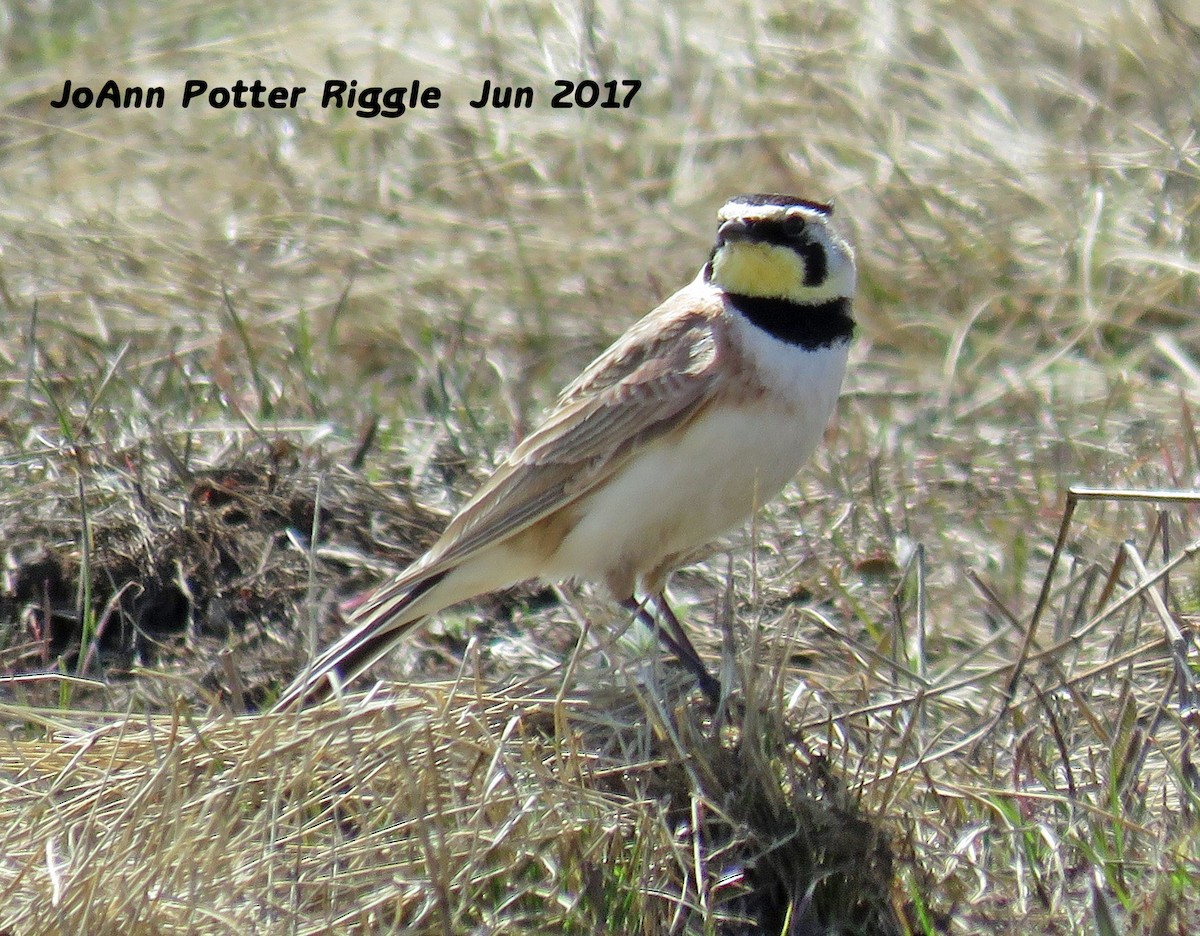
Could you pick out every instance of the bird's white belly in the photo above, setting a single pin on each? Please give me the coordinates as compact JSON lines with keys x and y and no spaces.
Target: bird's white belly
{"x":684,"y":490}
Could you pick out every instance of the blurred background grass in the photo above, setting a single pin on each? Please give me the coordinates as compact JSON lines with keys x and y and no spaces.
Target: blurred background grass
{"x":1022,"y":184}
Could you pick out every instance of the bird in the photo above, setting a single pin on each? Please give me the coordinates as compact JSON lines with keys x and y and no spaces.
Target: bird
{"x":692,"y":419}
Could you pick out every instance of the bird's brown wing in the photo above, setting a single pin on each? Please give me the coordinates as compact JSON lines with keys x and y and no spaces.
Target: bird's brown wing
{"x":651,"y":381}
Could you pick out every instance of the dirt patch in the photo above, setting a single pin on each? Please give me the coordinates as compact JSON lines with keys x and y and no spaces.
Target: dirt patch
{"x":213,"y":576}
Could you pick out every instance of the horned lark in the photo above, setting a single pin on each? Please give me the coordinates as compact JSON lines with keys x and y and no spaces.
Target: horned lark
{"x":697,"y":415}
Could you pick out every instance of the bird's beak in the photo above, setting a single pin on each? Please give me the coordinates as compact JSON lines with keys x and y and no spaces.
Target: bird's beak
{"x":732,"y":230}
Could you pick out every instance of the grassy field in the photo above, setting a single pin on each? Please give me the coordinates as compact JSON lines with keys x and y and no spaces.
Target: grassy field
{"x":252,"y":358}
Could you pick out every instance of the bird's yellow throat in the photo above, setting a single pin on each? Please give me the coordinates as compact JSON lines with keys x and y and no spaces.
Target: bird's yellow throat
{"x":767,"y":271}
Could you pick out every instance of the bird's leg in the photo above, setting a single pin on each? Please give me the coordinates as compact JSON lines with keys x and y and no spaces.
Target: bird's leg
{"x":675,"y":639}
{"x":709,"y":684}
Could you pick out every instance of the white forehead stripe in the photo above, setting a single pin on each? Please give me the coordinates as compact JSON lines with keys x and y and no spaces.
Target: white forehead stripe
{"x":747,"y":212}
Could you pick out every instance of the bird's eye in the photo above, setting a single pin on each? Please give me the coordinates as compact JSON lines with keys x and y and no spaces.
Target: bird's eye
{"x":793,"y":225}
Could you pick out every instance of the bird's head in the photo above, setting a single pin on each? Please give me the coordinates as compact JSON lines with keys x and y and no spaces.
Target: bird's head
{"x":780,"y":247}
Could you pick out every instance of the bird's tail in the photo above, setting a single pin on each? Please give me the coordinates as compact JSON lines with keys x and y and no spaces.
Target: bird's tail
{"x":381,"y":620}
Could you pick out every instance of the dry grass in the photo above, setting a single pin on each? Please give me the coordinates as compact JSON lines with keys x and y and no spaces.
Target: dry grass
{"x":436,"y":809}
{"x":205,"y":312}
